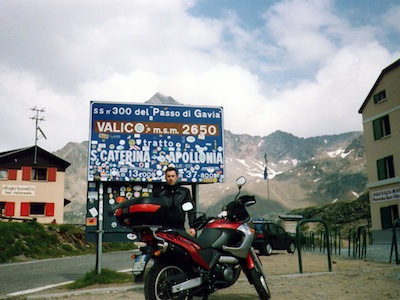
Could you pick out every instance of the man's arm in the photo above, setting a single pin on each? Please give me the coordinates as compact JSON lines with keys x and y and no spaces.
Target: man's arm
{"x":191,"y":213}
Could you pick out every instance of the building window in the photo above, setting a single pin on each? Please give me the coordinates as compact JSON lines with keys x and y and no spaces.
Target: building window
{"x":42,"y":174}
{"x":381,"y":127}
{"x":39,"y":174}
{"x":3,"y":174}
{"x":2,"y":208}
{"x":41,"y":208}
{"x":379,"y":97}
{"x":37,"y":208}
{"x":385,"y":168}
{"x":388,"y":215}
{"x":7,"y":209}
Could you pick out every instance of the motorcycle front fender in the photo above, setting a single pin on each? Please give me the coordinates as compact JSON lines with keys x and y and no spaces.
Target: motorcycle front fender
{"x":252,"y":261}
{"x":249,"y":262}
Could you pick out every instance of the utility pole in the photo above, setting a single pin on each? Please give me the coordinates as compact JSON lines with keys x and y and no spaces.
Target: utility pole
{"x":37,"y":128}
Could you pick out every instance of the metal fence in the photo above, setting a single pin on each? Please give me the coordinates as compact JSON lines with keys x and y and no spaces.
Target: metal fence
{"x":394,"y":247}
{"x":12,"y":219}
{"x":354,"y":244}
{"x":357,"y":240}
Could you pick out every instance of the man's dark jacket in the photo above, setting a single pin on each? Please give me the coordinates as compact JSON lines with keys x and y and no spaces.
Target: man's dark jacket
{"x":175,"y":196}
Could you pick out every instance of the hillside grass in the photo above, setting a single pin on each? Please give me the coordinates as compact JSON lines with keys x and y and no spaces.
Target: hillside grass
{"x":340,"y":215}
{"x":32,"y":240}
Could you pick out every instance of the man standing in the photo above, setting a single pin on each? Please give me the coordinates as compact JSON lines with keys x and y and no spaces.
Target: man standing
{"x":177,"y":195}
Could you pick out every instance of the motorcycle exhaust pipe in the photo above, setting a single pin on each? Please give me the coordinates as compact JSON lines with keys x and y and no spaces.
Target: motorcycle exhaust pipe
{"x":186,"y":285}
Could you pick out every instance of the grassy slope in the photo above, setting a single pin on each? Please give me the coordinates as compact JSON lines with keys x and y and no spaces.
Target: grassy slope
{"x":31,"y":240}
{"x":343,"y":215}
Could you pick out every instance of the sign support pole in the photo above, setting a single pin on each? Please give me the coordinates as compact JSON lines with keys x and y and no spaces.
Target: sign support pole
{"x":100,"y":231}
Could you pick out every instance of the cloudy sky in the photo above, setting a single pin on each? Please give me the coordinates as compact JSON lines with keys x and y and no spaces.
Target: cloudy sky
{"x":300,"y":66}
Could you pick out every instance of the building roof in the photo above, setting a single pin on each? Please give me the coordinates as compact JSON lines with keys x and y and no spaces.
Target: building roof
{"x":15,"y":159}
{"x":383,"y":73}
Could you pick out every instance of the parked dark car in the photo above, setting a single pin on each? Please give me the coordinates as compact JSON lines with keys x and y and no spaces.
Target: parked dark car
{"x":271,"y":236}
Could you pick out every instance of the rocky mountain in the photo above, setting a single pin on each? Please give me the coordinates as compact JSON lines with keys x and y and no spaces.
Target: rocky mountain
{"x":302,"y":172}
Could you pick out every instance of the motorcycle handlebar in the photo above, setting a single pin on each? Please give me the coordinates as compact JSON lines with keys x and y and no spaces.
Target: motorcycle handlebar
{"x":245,"y":200}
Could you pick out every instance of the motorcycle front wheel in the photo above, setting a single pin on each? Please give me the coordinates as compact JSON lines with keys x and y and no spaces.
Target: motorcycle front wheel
{"x":260,"y":284}
{"x":157,"y":288}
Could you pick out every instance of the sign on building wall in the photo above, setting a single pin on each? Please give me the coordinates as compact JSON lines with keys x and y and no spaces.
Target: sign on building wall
{"x":135,"y":142}
{"x":386,"y":195}
{"x":18,"y":190}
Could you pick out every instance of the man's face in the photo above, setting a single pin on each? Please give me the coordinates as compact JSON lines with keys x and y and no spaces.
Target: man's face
{"x":171,"y":177}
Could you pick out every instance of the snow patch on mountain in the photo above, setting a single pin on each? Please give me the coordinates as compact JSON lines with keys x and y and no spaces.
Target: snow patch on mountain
{"x":243,"y":162}
{"x":339,"y":152}
{"x":294,"y":161}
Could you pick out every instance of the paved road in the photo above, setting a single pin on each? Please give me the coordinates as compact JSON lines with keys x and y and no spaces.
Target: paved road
{"x":15,"y":277}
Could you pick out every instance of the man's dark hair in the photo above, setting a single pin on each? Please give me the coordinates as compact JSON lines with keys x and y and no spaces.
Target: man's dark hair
{"x":169,"y":169}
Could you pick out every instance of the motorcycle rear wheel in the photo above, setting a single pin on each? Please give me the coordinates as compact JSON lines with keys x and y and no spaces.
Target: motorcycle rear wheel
{"x":156,"y":287}
{"x":260,"y":284}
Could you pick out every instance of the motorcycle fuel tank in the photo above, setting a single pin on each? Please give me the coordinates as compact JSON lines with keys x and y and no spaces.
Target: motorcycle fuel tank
{"x":219,"y":233}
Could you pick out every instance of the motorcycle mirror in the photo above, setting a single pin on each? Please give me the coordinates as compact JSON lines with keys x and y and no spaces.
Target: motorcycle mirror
{"x":187,"y":206}
{"x":240,"y":181}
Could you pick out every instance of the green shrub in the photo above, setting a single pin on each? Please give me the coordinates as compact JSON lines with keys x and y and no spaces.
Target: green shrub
{"x":70,"y":228}
{"x":105,"y":277}
{"x":67,"y":248}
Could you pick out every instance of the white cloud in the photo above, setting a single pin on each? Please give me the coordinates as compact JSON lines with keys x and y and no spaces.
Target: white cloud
{"x":392,"y":18}
{"x":329,"y":104}
{"x":307,"y":70}
{"x":303,"y":29}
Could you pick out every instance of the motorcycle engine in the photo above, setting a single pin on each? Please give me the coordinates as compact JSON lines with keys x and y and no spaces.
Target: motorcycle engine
{"x":228,"y":273}
{"x":225,"y":272}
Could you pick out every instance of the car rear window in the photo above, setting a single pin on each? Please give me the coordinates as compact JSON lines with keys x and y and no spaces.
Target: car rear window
{"x":258,"y":227}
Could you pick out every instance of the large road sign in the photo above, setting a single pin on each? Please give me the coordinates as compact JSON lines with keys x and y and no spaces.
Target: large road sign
{"x":130,"y":145}
{"x":135,"y":142}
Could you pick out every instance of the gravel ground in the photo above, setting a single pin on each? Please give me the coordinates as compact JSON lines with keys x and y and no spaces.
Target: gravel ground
{"x":359,"y":279}
{"x":380,"y":253}
{"x":375,"y":252}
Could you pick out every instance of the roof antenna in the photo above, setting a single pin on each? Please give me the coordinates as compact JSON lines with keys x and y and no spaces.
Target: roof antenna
{"x":37,"y":128}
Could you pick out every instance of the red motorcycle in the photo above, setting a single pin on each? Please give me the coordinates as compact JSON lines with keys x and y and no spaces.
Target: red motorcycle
{"x":184,"y":266}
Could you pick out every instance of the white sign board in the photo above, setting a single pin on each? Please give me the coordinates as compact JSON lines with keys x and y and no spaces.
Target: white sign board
{"x":386,"y":195}
{"x":18,"y":190}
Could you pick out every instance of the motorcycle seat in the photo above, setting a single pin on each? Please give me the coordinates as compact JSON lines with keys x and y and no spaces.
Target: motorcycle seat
{"x":197,"y":240}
